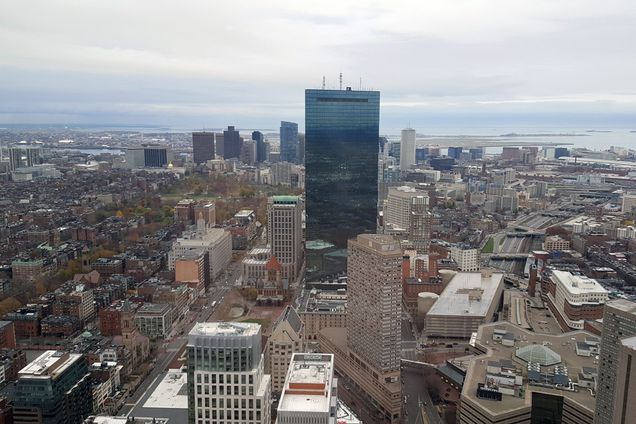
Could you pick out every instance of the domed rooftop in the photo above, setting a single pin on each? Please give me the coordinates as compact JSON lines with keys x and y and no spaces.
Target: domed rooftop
{"x":538,"y":354}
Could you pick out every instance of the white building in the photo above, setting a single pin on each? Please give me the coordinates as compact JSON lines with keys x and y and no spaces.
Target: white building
{"x":629,"y":202}
{"x":399,"y":205}
{"x":574,"y":294}
{"x":216,"y":241}
{"x":407,"y":149}
{"x":310,"y":392}
{"x":469,"y":300}
{"x":466,"y":259}
{"x":226,"y":380}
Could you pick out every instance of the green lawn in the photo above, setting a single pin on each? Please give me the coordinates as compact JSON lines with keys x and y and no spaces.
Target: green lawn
{"x":489,"y":247}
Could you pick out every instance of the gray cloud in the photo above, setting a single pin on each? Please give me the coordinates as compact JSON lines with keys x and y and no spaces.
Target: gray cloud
{"x":248,"y":62}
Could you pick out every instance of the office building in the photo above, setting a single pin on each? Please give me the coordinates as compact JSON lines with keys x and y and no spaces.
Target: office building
{"x":53,"y":389}
{"x":24,"y":156}
{"x":323,"y":309}
{"x":226,"y":380}
{"x":232,"y":143}
{"x":219,"y":144}
{"x":406,"y":214}
{"x":575,"y":299}
{"x":285,"y":233}
{"x":407,"y":149}
{"x":629,"y":203}
{"x":7,"y":335}
{"x":217,"y":242}
{"x":469,"y":300}
{"x":520,"y":376}
{"x":202,"y":146}
{"x":454,"y":152}
{"x":341,"y":164}
{"x":467,"y":259}
{"x":149,"y":156}
{"x":310,"y":391}
{"x":368,"y":350}
{"x":286,"y":339}
{"x":154,"y":320}
{"x":619,"y":323}
{"x":207,"y":212}
{"x":261,"y":151}
{"x":288,"y":141}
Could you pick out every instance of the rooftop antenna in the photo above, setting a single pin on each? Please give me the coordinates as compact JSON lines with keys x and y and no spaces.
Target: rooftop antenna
{"x":341,"y":80}
{"x":360,"y":83}
{"x":323,"y":82}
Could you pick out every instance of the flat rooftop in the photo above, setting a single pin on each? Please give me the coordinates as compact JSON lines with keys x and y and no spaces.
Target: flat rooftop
{"x":308,"y":383}
{"x":229,"y":329}
{"x":578,"y":284}
{"x":49,"y":364}
{"x":468,"y":293}
{"x":564,"y":345}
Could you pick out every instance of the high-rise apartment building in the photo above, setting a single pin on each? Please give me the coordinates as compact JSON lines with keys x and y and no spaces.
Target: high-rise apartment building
{"x":202,"y":146}
{"x":286,"y":339}
{"x":285,"y":233}
{"x":341,"y":164}
{"x":217,"y":242}
{"x":467,"y":258}
{"x":406,"y":213}
{"x":288,"y":141}
{"x":374,"y":293}
{"x":310,"y":391}
{"x":23,"y":156}
{"x":407,"y":149}
{"x":619,"y":322}
{"x":53,"y":389}
{"x":226,"y":380}
{"x":261,"y":152}
{"x":232,"y":143}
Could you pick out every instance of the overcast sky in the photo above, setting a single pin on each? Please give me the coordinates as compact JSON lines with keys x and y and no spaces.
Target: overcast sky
{"x":211,"y":63}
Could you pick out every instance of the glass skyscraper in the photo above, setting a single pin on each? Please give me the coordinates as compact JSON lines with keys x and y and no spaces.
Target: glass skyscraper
{"x":288,"y":141}
{"x":341,"y":165}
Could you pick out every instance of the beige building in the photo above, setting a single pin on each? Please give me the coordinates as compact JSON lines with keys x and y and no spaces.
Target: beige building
{"x":469,"y":300}
{"x":323,"y":309}
{"x":619,"y":323}
{"x":285,"y":339}
{"x":556,"y":243}
{"x":368,"y":350}
{"x":629,"y":202}
{"x":285,"y":233}
{"x":625,"y":403}
{"x":536,"y":378}
{"x":374,"y":268}
{"x":406,"y":214}
{"x":217,"y":242}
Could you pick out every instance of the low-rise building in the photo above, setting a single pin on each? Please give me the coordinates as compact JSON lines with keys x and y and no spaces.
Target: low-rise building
{"x":469,"y":300}
{"x":576,"y":299}
{"x":556,"y":243}
{"x":309,"y":394}
{"x":323,"y":309}
{"x":154,"y":320}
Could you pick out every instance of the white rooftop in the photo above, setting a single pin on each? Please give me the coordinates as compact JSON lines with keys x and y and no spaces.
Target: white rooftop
{"x":169,"y":393}
{"x":225,"y":329}
{"x":468,"y":293}
{"x":308,"y":369}
{"x":578,"y":284}
{"x":49,"y":364}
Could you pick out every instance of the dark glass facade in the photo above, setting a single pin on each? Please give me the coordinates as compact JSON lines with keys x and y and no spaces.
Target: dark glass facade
{"x":288,"y":141}
{"x":261,"y":152}
{"x":232,"y":143}
{"x":202,"y":146}
{"x":155,"y":157}
{"x":341,"y":164}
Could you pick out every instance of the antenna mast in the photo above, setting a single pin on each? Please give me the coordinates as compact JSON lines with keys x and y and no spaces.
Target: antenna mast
{"x":341,"y":80}
{"x":323,"y":82}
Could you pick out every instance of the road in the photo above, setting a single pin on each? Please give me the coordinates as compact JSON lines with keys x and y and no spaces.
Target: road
{"x":416,"y":399}
{"x":168,"y":350}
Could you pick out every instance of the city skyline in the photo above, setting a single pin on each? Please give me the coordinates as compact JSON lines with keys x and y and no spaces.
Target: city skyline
{"x":474,"y":63}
